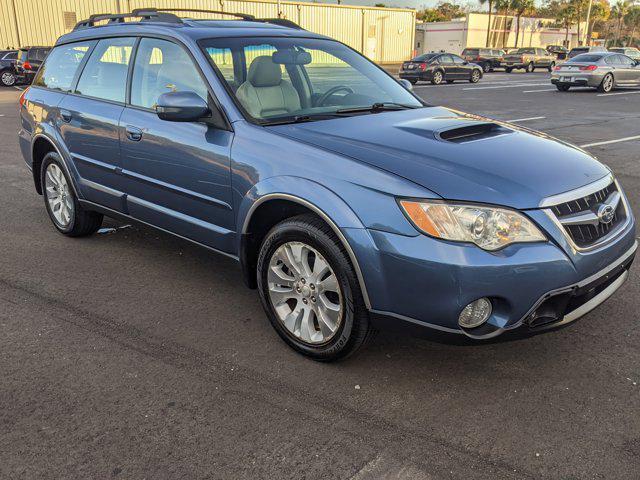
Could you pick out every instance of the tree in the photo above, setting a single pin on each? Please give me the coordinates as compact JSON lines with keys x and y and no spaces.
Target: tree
{"x":632,"y":20}
{"x":521,"y":7}
{"x":619,"y":10}
{"x":600,"y":11}
{"x":490,"y":4}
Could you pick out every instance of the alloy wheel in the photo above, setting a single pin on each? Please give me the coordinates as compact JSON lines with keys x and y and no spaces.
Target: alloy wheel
{"x":59,"y":196}
{"x":305,"y":293}
{"x":486,"y":67}
{"x":437,"y":78}
{"x":607,"y":83}
{"x":475,"y":76}
{"x":8,"y":79}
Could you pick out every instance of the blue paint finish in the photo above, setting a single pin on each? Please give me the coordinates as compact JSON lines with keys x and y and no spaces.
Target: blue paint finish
{"x":204,"y":183}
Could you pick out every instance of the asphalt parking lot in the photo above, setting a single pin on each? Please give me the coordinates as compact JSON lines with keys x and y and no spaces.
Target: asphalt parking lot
{"x":132,"y":354}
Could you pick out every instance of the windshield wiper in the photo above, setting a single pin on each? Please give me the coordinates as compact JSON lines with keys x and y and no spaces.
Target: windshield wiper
{"x":299,"y":119}
{"x":377,"y":107}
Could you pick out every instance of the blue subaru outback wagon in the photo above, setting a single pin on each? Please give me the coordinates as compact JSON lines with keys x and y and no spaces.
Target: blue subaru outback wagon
{"x":346,"y":200}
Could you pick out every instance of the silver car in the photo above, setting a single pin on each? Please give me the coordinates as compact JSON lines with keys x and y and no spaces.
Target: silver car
{"x":604,"y":71}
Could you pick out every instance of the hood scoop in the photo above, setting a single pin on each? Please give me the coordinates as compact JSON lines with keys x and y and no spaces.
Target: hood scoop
{"x":472,"y":133}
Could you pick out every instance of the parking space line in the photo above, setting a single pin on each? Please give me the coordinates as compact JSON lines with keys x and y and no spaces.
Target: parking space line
{"x":617,"y":93}
{"x":481,"y":85}
{"x":524,"y":119}
{"x":544,"y":90}
{"x":515,"y":85}
{"x":607,"y":142}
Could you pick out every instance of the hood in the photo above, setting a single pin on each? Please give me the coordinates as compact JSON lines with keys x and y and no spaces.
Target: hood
{"x":455,"y":155}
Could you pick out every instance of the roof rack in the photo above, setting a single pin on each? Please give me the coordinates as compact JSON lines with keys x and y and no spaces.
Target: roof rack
{"x":144,"y":14}
{"x":244,"y":16}
{"x":162,"y":15}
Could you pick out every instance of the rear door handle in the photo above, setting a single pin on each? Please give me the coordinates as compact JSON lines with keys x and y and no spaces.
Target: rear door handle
{"x":65,"y":115}
{"x":133,"y":133}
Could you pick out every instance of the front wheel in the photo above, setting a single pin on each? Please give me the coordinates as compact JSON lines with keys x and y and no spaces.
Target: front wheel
{"x":8,"y":78}
{"x":607,"y":83}
{"x":310,"y":291}
{"x":475,"y":76}
{"x":61,"y":203}
{"x":530,"y":67}
{"x":437,"y":77}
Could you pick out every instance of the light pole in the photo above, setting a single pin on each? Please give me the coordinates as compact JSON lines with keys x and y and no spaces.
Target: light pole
{"x":588,"y":33}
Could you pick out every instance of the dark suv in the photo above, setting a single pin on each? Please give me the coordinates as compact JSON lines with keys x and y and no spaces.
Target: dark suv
{"x":29,"y":61}
{"x":487,"y":58}
{"x":346,"y":201}
{"x":8,"y":67}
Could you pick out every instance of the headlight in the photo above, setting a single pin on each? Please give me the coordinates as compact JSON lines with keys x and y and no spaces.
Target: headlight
{"x":490,"y":228}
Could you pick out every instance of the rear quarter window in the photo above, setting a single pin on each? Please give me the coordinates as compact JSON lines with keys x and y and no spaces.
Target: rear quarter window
{"x":61,"y":66}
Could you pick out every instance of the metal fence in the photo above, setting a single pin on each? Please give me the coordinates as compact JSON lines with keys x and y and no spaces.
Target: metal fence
{"x":386,"y":35}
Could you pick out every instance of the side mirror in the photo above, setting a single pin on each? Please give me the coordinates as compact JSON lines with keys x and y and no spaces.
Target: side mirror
{"x":406,"y":84}
{"x":181,"y":107}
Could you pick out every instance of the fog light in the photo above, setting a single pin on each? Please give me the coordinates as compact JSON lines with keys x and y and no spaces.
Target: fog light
{"x":475,"y":314}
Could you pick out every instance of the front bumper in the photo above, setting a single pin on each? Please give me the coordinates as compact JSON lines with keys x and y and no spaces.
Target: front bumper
{"x":428,"y":282}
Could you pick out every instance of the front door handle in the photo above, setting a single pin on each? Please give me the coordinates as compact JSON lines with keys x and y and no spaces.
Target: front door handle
{"x":65,"y":115}
{"x":134,"y":133}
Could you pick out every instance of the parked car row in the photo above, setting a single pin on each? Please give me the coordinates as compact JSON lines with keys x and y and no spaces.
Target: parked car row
{"x":20,"y":66}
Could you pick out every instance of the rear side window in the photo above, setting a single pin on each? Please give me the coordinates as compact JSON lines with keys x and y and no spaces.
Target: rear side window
{"x":61,"y":66}
{"x":105,"y":74}
{"x":163,"y":67}
{"x":11,"y":56}
{"x":470,"y":51}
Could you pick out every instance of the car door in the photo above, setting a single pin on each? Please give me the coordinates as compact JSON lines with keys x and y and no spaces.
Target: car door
{"x":462,"y":67}
{"x":628,"y":72}
{"x":177,"y":174}
{"x":89,"y":118}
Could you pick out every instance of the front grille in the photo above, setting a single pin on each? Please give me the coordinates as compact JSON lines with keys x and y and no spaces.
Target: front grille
{"x":587,"y":234}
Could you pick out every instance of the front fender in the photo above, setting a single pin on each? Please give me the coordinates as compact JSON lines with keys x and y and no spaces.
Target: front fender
{"x":324,"y":202}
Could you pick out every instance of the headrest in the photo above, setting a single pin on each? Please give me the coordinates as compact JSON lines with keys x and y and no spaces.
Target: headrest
{"x":264,"y":73}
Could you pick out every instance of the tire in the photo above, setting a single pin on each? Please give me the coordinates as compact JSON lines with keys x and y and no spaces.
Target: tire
{"x":352,"y":327}
{"x":8,"y":78}
{"x":475,"y":76}
{"x":450,"y":81}
{"x":486,"y":67}
{"x":413,"y":81}
{"x":437,"y":77}
{"x":562,"y":88}
{"x":552,"y":66}
{"x":530,"y":67}
{"x":607,"y":84}
{"x":508,"y":70}
{"x":58,"y":190}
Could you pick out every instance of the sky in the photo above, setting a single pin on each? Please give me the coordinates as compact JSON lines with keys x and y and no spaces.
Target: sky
{"x":417,"y":4}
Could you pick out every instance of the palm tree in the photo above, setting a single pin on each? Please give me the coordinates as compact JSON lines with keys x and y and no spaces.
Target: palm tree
{"x":502,"y":7}
{"x":632,"y":19}
{"x":619,"y":10}
{"x":490,"y":2}
{"x":521,"y":6}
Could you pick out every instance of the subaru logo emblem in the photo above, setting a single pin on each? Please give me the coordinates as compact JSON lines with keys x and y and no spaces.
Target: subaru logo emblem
{"x":605,"y":213}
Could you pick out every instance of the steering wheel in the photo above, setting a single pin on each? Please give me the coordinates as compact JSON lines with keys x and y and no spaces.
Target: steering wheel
{"x":332,"y":91}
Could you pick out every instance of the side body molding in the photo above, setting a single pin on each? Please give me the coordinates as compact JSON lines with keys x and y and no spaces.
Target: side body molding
{"x":317,"y":198}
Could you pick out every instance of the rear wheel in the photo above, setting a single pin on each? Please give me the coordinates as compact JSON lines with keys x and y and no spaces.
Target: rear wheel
{"x":413,"y":81}
{"x":437,"y":77}
{"x":607,"y":83}
{"x":508,"y":69}
{"x":562,"y":88}
{"x":486,"y":67}
{"x":475,"y":76}
{"x":8,"y":78}
{"x":61,"y":203}
{"x":530,"y":67}
{"x":552,"y":66}
{"x":310,"y":291}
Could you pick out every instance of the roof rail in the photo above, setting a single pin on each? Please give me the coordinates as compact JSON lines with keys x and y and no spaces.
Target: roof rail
{"x":244,"y":16}
{"x":283,"y":22}
{"x":144,"y":14}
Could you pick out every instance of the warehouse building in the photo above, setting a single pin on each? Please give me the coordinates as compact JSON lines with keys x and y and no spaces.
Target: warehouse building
{"x":471,"y":31}
{"x":385,"y":35}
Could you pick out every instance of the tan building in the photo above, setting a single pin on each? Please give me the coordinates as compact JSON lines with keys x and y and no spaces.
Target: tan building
{"x":386,"y":35}
{"x":471,"y":31}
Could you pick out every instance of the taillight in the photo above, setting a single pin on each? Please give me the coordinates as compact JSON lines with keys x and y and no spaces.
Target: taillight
{"x":21,"y":99}
{"x":27,"y":66}
{"x":423,"y":66}
{"x":556,"y":68}
{"x":478,"y":57}
{"x":589,"y":68}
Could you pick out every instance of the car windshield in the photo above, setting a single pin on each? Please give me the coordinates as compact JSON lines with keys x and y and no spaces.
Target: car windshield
{"x":280,"y":80}
{"x":585,"y":57}
{"x":524,"y":50}
{"x":577,"y":51}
